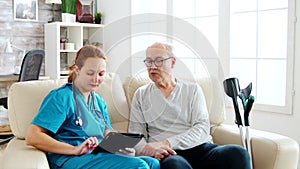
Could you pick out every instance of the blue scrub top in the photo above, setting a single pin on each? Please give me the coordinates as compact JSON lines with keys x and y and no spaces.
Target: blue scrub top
{"x":57,"y":115}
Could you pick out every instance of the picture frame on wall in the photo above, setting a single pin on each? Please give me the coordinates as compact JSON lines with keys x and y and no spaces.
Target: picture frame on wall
{"x":26,"y":10}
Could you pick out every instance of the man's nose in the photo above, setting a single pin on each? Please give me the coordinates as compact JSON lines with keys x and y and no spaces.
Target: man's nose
{"x":153,"y":66}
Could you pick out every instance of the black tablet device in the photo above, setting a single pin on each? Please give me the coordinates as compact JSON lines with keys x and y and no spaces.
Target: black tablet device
{"x":115,"y":141}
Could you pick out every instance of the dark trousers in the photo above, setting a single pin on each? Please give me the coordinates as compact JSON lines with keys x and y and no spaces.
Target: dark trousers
{"x":209,"y":156}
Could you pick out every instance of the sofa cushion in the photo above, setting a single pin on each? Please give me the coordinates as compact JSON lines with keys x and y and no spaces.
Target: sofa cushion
{"x":25,"y":98}
{"x":18,"y":155}
{"x":214,"y":96}
{"x":212,"y":90}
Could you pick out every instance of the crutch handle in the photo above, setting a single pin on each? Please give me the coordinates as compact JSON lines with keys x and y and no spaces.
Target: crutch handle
{"x":247,"y":110}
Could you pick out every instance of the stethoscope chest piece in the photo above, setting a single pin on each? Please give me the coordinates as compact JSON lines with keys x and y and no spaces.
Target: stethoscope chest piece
{"x":79,"y":122}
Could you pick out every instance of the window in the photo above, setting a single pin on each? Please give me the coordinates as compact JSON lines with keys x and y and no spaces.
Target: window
{"x":250,"y":44}
{"x":259,"y":50}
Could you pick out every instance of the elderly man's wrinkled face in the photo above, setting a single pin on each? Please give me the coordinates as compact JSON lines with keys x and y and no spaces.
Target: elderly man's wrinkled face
{"x":159,"y":64}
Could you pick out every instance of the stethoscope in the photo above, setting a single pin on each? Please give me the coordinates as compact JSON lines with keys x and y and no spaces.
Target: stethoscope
{"x":99,"y":114}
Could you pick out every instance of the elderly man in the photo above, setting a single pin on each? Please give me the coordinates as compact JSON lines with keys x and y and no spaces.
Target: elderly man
{"x":173,"y":115}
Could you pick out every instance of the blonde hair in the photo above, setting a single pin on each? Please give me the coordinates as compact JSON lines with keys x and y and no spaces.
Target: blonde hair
{"x":88,"y":51}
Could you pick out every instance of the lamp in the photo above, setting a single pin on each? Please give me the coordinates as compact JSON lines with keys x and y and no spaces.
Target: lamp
{"x":9,"y":49}
{"x":53,"y":2}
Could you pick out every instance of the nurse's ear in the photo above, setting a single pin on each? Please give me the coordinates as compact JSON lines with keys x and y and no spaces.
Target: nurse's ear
{"x":76,"y":70}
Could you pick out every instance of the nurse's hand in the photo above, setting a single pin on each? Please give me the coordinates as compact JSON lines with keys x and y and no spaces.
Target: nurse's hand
{"x":127,"y":151}
{"x":89,"y":144}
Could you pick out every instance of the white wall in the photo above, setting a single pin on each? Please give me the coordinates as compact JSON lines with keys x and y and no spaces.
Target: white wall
{"x":116,"y":47}
{"x":274,"y":122}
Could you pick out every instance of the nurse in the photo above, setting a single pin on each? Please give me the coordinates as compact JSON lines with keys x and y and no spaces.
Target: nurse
{"x":73,"y":119}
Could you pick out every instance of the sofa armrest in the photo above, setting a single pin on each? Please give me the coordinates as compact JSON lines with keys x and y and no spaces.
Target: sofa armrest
{"x":269,"y":150}
{"x":19,"y":155}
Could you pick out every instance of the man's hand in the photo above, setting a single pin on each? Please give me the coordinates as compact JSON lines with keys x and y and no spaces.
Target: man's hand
{"x":89,"y":144}
{"x":158,"y":150}
{"x":127,"y":151}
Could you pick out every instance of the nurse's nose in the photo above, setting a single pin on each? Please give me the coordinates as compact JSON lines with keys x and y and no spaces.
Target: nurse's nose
{"x":96,"y":78}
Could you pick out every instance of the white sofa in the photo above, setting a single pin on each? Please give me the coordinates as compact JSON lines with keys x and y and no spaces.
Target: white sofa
{"x":270,"y":151}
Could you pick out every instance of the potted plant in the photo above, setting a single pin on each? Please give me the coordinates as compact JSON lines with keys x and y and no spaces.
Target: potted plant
{"x":68,"y":10}
{"x":98,"y":16}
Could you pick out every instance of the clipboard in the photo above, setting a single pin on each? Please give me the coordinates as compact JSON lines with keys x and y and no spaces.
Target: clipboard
{"x":115,"y":141}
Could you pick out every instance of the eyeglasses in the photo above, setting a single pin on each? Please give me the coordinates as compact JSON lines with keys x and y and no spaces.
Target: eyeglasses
{"x":158,"y":62}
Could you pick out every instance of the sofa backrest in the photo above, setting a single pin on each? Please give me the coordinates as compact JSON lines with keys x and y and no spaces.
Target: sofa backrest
{"x":213,"y":92}
{"x":25,"y":98}
{"x":111,"y":90}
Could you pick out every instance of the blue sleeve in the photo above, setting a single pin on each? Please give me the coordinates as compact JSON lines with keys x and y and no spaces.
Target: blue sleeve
{"x":53,"y":111}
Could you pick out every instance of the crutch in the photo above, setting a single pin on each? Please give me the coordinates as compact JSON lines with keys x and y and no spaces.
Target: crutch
{"x":231,"y":87}
{"x":247,"y":124}
{"x":247,"y":101}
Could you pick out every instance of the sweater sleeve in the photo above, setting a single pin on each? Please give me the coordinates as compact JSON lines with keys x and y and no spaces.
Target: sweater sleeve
{"x":136,"y":122}
{"x":200,"y":127}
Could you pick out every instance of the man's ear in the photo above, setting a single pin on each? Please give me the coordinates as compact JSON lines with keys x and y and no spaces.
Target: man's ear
{"x":173,"y":62}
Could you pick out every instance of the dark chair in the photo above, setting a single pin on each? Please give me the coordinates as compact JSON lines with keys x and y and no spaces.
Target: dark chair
{"x":30,"y":68}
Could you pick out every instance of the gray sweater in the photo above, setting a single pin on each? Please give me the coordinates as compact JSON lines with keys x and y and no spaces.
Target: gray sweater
{"x":182,"y":118}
